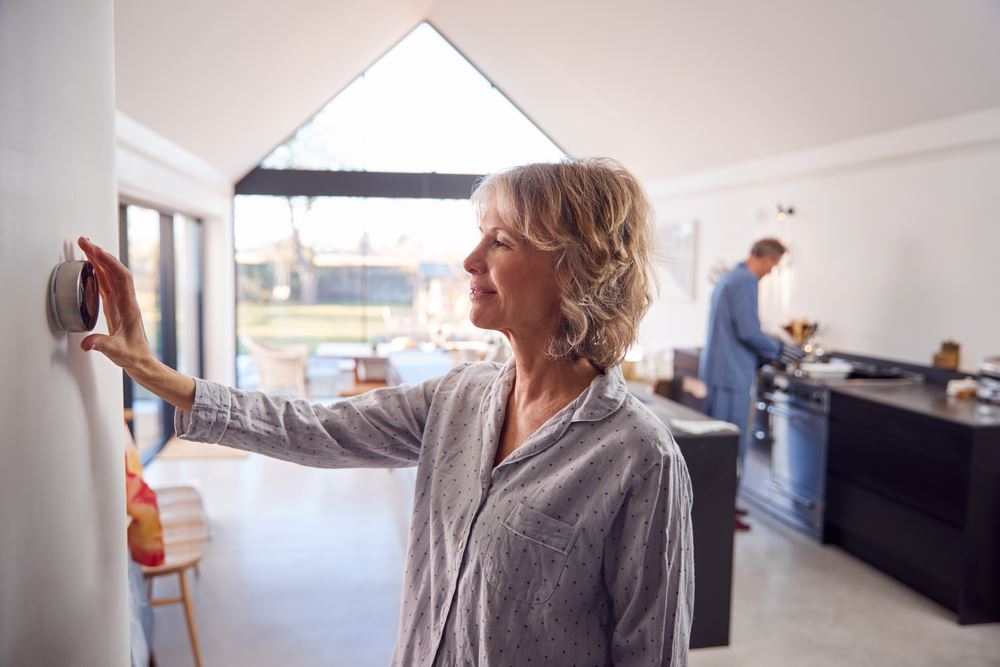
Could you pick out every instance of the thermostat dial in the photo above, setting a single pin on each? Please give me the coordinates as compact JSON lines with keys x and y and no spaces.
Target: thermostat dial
{"x":74,"y":297}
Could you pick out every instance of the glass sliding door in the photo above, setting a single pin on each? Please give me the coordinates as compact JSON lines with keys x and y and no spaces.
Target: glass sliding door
{"x":349,"y":277}
{"x":163,"y":252}
{"x":187,"y":249}
{"x":140,"y":251}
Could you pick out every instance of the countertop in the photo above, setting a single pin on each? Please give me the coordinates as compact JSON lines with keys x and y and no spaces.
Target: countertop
{"x":930,"y":400}
{"x":668,"y":411}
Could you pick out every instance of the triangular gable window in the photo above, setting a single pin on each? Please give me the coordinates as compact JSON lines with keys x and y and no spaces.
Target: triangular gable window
{"x":421,"y":108}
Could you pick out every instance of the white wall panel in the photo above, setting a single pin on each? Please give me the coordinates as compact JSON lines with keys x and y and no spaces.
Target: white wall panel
{"x":62,"y":503}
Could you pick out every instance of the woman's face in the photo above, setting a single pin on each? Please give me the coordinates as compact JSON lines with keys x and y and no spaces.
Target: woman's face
{"x":512,"y":284}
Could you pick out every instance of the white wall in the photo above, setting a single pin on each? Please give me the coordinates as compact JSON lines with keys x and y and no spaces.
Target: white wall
{"x":895,"y":240}
{"x":63,"y":586}
{"x":153,"y":170}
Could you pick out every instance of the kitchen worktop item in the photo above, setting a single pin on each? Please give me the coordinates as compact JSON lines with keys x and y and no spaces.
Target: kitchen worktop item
{"x":949,"y":355}
{"x":831,"y":370}
{"x":988,"y":383}
{"x":801,"y":329}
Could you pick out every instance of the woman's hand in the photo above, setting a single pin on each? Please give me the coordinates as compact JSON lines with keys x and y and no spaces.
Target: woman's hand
{"x":126,"y":344}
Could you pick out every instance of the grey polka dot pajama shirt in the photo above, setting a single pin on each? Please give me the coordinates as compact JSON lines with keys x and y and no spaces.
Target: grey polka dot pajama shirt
{"x":575,"y":550}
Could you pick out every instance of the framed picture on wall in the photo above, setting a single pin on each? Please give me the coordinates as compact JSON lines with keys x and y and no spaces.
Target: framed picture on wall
{"x":677,"y":243}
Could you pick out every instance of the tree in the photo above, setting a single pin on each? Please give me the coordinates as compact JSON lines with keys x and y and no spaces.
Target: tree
{"x":298,"y":210}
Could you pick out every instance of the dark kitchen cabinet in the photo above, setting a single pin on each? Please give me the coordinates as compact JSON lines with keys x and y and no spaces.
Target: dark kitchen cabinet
{"x":913,"y":488}
{"x":685,"y":387}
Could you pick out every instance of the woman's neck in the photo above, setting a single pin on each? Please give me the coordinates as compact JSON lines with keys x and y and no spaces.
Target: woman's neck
{"x":539,"y":379}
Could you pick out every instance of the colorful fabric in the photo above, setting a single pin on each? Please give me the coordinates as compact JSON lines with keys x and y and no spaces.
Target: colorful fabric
{"x":145,"y":533}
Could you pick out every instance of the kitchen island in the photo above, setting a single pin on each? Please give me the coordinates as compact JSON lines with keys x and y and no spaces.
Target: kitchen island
{"x":913,"y":488}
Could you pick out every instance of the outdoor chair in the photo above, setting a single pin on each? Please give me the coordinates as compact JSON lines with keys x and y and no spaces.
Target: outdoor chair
{"x":281,"y":368}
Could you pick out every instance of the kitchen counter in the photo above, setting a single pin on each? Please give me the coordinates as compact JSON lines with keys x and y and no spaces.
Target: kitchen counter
{"x":668,"y":411}
{"x":929,"y":400}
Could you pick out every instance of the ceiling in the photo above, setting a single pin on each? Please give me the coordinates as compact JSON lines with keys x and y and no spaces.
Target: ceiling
{"x":670,"y":87}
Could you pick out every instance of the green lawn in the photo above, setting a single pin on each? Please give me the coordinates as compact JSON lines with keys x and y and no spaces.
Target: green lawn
{"x":293,"y":323}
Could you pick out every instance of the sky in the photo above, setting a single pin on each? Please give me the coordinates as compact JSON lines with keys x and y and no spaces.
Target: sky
{"x":422,"y":107}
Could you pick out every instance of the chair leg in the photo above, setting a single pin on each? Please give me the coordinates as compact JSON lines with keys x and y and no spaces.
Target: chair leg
{"x":189,"y":615}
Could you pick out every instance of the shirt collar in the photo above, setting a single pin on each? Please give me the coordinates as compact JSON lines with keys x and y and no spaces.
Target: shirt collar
{"x":743,"y":265}
{"x":604,"y":396}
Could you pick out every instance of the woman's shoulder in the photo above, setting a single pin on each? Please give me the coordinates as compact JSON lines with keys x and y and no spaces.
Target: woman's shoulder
{"x":473,"y":370}
{"x":470,"y":375}
{"x":648,"y":434}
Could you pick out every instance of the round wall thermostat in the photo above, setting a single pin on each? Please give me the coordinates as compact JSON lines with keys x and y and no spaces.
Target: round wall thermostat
{"x":73,"y":296}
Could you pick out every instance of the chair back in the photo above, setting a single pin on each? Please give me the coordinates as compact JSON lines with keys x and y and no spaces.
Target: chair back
{"x":281,"y":368}
{"x":371,"y":369}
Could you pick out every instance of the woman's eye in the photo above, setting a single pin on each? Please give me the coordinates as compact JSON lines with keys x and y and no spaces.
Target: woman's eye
{"x":500,"y":244}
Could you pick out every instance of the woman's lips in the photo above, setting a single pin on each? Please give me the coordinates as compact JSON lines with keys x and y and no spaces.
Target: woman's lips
{"x":480,"y":293}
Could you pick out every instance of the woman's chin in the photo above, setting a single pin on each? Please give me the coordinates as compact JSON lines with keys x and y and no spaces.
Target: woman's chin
{"x":482,"y":320}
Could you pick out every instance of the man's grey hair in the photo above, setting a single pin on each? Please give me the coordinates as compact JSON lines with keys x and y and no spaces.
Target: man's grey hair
{"x":768,"y":248}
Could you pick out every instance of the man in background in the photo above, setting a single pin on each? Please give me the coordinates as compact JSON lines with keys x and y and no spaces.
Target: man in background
{"x":735,"y":344}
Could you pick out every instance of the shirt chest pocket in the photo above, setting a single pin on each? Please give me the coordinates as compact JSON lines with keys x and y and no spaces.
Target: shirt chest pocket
{"x":527,"y":554}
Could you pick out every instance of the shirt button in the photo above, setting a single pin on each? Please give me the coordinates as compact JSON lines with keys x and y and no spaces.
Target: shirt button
{"x":461,"y":544}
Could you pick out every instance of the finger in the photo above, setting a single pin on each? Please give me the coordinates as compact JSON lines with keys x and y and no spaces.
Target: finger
{"x":123,"y":299}
{"x":90,"y":250}
{"x":109,"y":297}
{"x":115,"y":267}
{"x":104,"y":281}
{"x":111,"y":347}
{"x":109,"y":303}
{"x":108,"y":290}
{"x":112,"y":289}
{"x":93,"y":342}
{"x":113,"y":270}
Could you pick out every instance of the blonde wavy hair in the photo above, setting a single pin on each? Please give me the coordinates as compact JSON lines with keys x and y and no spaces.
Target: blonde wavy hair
{"x":594,"y":215}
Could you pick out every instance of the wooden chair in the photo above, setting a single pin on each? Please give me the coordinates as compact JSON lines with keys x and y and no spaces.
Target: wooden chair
{"x":369,"y":373}
{"x":281,"y":368}
{"x":185,"y":532}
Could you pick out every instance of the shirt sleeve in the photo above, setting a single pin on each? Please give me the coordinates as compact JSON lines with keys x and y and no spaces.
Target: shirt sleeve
{"x":746,"y":320}
{"x":379,"y":429}
{"x":649,"y":569}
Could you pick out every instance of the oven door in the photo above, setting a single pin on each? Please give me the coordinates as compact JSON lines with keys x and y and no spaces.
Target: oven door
{"x":755,"y":477}
{"x":798,"y":462}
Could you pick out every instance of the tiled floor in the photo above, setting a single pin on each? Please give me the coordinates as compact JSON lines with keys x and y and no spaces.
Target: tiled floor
{"x":305,"y":565}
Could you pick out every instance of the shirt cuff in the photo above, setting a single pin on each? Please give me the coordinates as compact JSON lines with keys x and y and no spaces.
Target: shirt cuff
{"x":209,"y":417}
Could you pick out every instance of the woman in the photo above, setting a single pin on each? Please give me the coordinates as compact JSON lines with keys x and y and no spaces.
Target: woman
{"x":551,"y":520}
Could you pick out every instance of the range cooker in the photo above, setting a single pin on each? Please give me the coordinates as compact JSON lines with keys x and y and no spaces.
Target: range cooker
{"x":784,"y":468}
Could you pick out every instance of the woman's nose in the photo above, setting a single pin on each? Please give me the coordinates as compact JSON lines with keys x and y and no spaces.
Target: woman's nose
{"x":474,"y":263}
